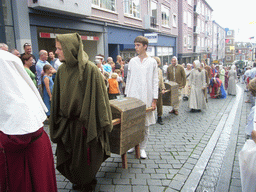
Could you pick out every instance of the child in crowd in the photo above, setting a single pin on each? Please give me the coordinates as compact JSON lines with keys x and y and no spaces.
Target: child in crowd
{"x":113,"y":86}
{"x":47,"y":83}
{"x":119,"y":80}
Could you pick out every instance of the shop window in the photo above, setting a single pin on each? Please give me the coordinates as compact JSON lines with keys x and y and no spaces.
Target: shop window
{"x":132,"y":8}
{"x":165,"y":16}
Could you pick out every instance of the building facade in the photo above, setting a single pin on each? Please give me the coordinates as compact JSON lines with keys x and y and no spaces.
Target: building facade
{"x":229,"y":47}
{"x":195,"y":31}
{"x":107,"y":27}
{"x":218,"y":43}
{"x":243,"y":51}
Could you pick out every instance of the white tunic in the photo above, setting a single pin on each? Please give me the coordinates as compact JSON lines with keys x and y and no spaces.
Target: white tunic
{"x":142,"y":83}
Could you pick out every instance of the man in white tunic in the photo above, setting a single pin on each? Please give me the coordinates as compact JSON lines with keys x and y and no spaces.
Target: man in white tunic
{"x":142,"y":83}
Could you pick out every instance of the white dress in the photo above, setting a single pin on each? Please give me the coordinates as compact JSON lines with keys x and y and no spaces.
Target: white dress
{"x":197,"y":82}
{"x":142,"y":83}
{"x":232,"y":82}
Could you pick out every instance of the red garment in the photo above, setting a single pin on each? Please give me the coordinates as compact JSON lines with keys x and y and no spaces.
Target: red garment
{"x":214,"y":88}
{"x":26,"y":163}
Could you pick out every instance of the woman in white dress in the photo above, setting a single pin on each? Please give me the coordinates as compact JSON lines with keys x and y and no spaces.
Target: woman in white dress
{"x":232,"y":75}
{"x":197,"y":84}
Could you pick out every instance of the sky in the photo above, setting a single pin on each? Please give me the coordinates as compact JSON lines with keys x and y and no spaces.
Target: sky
{"x":236,"y":15}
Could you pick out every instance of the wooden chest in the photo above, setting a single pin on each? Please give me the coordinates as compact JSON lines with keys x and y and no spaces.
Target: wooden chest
{"x":130,"y":132}
{"x":171,"y":97}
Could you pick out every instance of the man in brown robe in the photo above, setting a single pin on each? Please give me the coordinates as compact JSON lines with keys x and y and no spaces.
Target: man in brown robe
{"x":176,"y":73}
{"x":81,"y":118}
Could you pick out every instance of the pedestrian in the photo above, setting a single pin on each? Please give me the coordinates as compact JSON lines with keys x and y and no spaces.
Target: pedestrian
{"x":26,"y":159}
{"x":81,"y":118}
{"x":43,"y":56}
{"x":161,"y":91}
{"x":120,"y":81}
{"x":250,"y":123}
{"x":197,"y":83}
{"x":222,"y":74}
{"x":4,"y":47}
{"x":28,"y":51}
{"x":214,"y":72}
{"x":176,"y":73}
{"x":142,"y":83}
{"x":165,"y":69}
{"x":55,"y":62}
{"x":217,"y":89}
{"x":186,"y":90}
{"x":207,"y":81}
{"x":15,"y":52}
{"x":226,"y":78}
{"x":232,"y":79}
{"x":47,"y":85}
{"x":113,"y":89}
{"x":107,"y":67}
{"x":27,"y":61}
{"x":118,"y":62}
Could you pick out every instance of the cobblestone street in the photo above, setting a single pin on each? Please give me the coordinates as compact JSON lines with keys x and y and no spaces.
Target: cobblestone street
{"x":190,"y":152}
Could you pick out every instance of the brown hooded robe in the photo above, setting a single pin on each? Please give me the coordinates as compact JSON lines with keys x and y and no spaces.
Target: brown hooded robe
{"x":81,"y":118}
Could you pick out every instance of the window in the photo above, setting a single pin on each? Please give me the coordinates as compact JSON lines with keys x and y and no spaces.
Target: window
{"x":189,"y":42}
{"x":189,"y":20}
{"x":185,"y":17}
{"x":105,"y":4}
{"x":165,"y":16}
{"x":174,"y":20}
{"x":228,"y":58}
{"x":153,"y":9}
{"x":132,"y":8}
{"x":228,"y":49}
{"x":229,"y":33}
{"x":185,"y":41}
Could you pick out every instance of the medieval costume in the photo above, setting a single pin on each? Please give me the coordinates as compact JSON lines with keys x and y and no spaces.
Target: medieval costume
{"x":232,"y":75}
{"x":186,"y":90}
{"x":26,"y":159}
{"x":222,"y":74}
{"x":176,"y":73}
{"x":197,"y":82}
{"x":142,"y":83}
{"x":81,"y":118}
{"x":217,"y":89}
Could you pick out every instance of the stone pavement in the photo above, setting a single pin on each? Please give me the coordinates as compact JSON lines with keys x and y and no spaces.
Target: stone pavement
{"x":190,"y":152}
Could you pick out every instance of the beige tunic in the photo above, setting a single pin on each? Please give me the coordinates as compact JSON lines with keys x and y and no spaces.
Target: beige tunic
{"x":197,"y":82}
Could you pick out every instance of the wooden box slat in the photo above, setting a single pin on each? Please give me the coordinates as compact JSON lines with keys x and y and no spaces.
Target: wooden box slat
{"x":130,"y":132}
{"x":171,"y":98}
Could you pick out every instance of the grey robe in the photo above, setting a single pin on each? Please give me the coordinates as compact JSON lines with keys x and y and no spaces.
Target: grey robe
{"x":197,"y":82}
{"x":232,"y":82}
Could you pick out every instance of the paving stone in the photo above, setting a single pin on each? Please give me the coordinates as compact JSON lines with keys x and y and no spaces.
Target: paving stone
{"x":138,"y":188}
{"x":123,"y":188}
{"x":154,"y":182}
{"x":156,"y":188}
{"x":158,"y":176}
{"x":107,"y":188}
{"x":121,"y":181}
{"x":139,"y":182}
{"x":177,"y":185}
{"x":61,"y":184}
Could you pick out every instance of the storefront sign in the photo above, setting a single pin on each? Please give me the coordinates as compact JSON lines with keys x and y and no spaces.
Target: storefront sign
{"x":152,"y":37}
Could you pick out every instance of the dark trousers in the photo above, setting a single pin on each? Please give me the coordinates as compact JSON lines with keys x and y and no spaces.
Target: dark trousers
{"x":159,"y":104}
